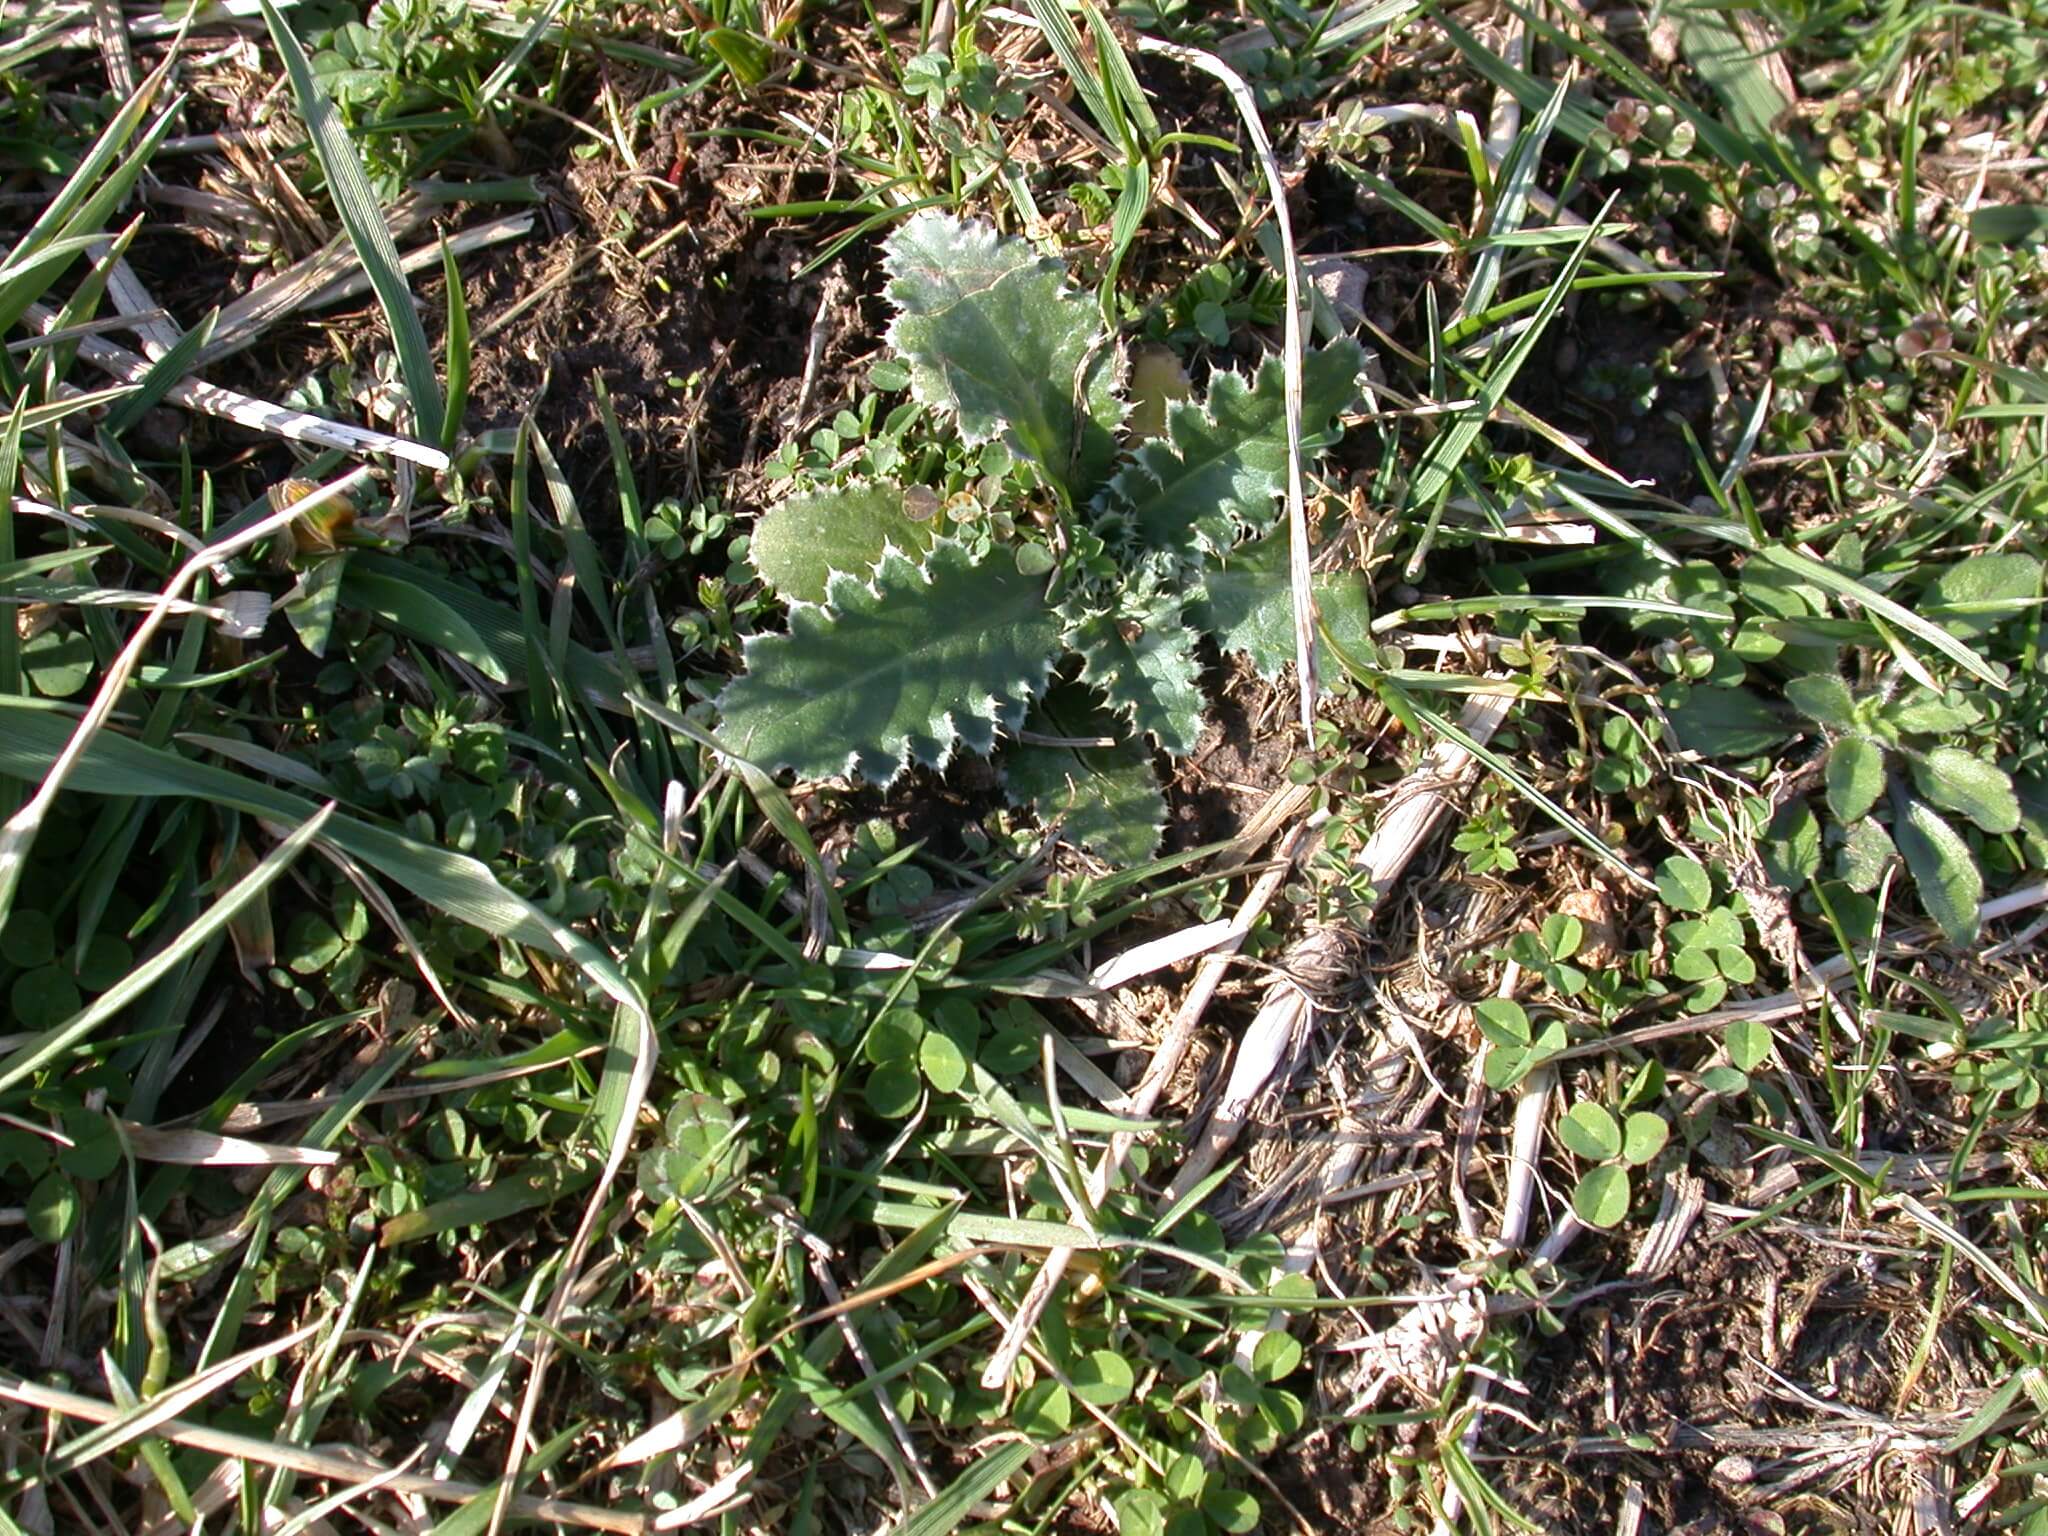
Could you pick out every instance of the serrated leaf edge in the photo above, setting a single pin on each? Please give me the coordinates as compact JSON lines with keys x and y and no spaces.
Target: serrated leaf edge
{"x":1005,"y":714}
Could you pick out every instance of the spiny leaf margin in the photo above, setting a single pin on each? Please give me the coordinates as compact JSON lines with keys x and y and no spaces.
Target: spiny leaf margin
{"x":904,"y":668}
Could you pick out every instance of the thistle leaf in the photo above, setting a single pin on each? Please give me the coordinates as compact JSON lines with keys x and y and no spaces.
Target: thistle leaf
{"x":1247,"y":603}
{"x":1109,"y":796}
{"x":1142,"y":657}
{"x":798,"y":544}
{"x":905,"y":668}
{"x":1943,"y":868}
{"x":1220,"y":470}
{"x":993,"y":334}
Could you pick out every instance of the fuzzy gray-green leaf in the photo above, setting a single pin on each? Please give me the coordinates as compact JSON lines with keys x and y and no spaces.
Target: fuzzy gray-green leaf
{"x":1855,"y":777}
{"x":1962,"y":782}
{"x":1983,"y":591}
{"x":1142,"y":657}
{"x":1865,"y":852}
{"x":1944,"y":870}
{"x":1823,"y":697}
{"x":799,"y":543}
{"x":906,"y":668}
{"x":992,"y":333}
{"x":1222,"y":466}
{"x":1248,"y":605}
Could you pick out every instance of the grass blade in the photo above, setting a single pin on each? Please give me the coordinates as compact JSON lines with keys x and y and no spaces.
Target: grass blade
{"x":52,"y":1043}
{"x":945,"y":1513}
{"x":356,"y":203}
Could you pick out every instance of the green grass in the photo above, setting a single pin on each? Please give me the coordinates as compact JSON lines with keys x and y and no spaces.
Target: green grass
{"x":427,"y":1044}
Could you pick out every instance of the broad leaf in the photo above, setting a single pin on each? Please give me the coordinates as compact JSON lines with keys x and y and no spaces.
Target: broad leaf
{"x":1220,"y":470}
{"x":1855,"y":777}
{"x":1108,"y":796}
{"x":2009,"y":224}
{"x":1643,"y":1136}
{"x":1987,"y":589}
{"x":1247,"y":603}
{"x":1591,"y":1132}
{"x":1962,"y":782}
{"x":1943,"y":868}
{"x":992,"y":333}
{"x":1865,"y":853}
{"x":1142,"y":657}
{"x":1722,"y":722}
{"x":1927,"y":713}
{"x":1684,"y":884}
{"x":905,"y":669}
{"x":797,"y":544}
{"x":1825,"y":698}
{"x":1600,"y":1199}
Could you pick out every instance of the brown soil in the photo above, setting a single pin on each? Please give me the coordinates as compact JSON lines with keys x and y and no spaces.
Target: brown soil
{"x":701,"y":345}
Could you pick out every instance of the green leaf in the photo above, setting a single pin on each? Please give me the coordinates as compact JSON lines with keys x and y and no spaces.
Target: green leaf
{"x":1220,"y":470}
{"x":942,"y":1062}
{"x":956,"y":1501}
{"x":164,"y":373}
{"x":1728,"y":49}
{"x":906,"y":669}
{"x":1962,"y":782}
{"x":894,"y":1089}
{"x":1722,"y":722}
{"x":1792,"y":844}
{"x":29,"y":939}
{"x":59,"y":661}
{"x":1277,"y":1356}
{"x":1684,"y":884}
{"x":1842,"y":584}
{"x":1749,"y":1044}
{"x":1247,"y":603}
{"x":1865,"y":852}
{"x":993,"y":334}
{"x":1600,"y":1199}
{"x":1139,"y":1512}
{"x":1043,"y":1411}
{"x":1142,"y":657}
{"x":1825,"y":698}
{"x":313,"y":603}
{"x":1643,"y":1136}
{"x":797,"y":544}
{"x":53,"y":1208}
{"x":1855,"y":777}
{"x":364,"y":220}
{"x":1926,"y":713}
{"x":1501,"y":1020}
{"x":43,"y":998}
{"x":1103,"y":1378}
{"x":1109,"y":797}
{"x":1590,"y":1131}
{"x":416,"y":610}
{"x":2000,"y":584}
{"x":1944,"y":870}
{"x":1724,"y":1082}
{"x":2009,"y":224}
{"x":1231,"y":1509}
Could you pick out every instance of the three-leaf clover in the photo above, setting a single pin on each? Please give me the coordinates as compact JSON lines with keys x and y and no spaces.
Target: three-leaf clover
{"x":1593,"y":1135}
